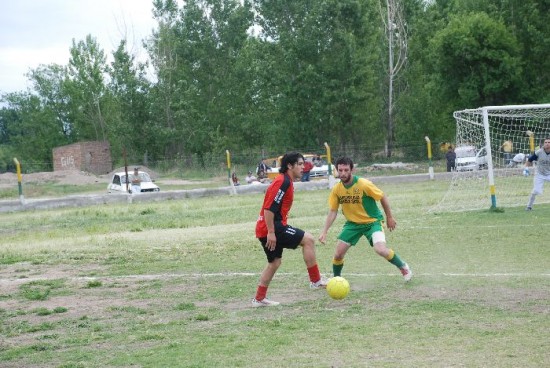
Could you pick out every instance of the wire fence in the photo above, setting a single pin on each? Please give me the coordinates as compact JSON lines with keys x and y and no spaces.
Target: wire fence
{"x":245,"y":160}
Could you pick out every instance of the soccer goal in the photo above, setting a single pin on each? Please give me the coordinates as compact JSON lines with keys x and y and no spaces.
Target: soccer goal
{"x":492,"y":145}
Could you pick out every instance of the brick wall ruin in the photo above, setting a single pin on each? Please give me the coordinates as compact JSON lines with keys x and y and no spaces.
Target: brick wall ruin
{"x":93,"y":157}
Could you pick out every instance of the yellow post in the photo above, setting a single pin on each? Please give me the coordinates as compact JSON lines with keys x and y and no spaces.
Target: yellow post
{"x":228,"y":158}
{"x":531,"y":141}
{"x":430,"y":168}
{"x":19,"y":180}
{"x":329,"y":159}
{"x":331,"y":178}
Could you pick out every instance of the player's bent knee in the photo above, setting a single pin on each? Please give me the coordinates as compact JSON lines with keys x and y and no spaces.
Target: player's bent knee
{"x":308,"y":240}
{"x":378,"y":237}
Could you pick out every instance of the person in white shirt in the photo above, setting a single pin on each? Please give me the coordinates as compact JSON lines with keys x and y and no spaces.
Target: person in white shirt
{"x":542,"y":172}
{"x":136,"y":181}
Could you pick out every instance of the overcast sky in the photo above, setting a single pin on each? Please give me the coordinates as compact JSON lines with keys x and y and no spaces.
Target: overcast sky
{"x":34,"y":32}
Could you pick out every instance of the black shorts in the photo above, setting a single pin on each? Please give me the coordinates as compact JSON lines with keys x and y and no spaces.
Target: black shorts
{"x":287,"y":237}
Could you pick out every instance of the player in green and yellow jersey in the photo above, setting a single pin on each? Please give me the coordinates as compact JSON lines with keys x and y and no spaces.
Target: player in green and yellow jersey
{"x":358,"y":198}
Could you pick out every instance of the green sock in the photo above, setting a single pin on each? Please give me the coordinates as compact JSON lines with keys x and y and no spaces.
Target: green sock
{"x":337,"y":267}
{"x":395,"y":259}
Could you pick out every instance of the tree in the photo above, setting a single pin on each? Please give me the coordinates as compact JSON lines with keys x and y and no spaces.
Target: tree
{"x":162,"y":47}
{"x":422,"y":109}
{"x":48,"y":83}
{"x":30,"y":131}
{"x":196,"y":53}
{"x":477,"y":60}
{"x":87,"y":89}
{"x":396,"y":36}
{"x":129,"y":111}
{"x":324,"y":79}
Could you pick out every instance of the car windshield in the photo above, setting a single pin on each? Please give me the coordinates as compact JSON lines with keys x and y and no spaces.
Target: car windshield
{"x":465,"y":152}
{"x":143,"y":176}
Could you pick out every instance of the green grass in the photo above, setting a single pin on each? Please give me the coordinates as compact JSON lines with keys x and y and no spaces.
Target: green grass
{"x":168,"y":284}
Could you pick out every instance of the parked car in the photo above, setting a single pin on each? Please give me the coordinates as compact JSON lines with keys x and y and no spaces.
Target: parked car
{"x":320,"y":166}
{"x":468,"y":158}
{"x":118,"y":183}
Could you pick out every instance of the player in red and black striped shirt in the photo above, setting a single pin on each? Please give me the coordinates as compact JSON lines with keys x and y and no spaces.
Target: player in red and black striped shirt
{"x":274,"y":233}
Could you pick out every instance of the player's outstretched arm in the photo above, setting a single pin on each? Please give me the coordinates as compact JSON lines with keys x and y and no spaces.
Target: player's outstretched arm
{"x":390,"y":221}
{"x":328,"y":223}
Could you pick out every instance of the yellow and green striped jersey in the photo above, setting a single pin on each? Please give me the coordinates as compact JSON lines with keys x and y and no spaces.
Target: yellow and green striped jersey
{"x":358,"y":200}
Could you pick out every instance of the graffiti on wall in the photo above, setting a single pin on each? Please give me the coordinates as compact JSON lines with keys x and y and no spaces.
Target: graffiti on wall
{"x":67,"y":162}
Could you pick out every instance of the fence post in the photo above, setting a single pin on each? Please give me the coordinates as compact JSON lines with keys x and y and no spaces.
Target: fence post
{"x":430,"y":168}
{"x":19,"y":180}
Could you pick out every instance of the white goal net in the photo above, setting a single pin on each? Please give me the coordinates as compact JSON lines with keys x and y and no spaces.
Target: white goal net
{"x":492,"y":145}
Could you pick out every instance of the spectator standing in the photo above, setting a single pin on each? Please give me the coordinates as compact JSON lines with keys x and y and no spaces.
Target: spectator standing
{"x":262,"y":166}
{"x":451,"y":159}
{"x":308,"y":165}
{"x":507,"y":148}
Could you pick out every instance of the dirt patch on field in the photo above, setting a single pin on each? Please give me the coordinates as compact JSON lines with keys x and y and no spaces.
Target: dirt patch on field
{"x":70,"y":177}
{"x":76,"y":177}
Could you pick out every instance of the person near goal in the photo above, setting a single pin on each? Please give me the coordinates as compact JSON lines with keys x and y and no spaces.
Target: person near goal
{"x":136,"y":181}
{"x":275,"y":234}
{"x":359,"y":197}
{"x":542,"y":173}
{"x":451,"y":159}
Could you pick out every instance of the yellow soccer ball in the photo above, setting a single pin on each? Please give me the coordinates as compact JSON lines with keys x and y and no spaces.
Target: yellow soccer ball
{"x":338,"y":287}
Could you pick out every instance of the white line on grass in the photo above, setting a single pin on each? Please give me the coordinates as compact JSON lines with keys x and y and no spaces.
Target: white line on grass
{"x":439,"y":227}
{"x":247,"y":274}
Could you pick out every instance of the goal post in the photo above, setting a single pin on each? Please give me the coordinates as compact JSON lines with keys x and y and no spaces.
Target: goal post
{"x":492,"y":145}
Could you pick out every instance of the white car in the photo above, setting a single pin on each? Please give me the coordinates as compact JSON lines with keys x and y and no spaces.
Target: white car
{"x":468,"y":158}
{"x":118,"y":183}
{"x":319,"y":170}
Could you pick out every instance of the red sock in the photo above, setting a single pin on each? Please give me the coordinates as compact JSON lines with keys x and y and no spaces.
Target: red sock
{"x":261,"y":292}
{"x":314,"y":274}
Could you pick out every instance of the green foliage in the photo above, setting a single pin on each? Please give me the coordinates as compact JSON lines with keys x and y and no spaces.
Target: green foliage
{"x":267,"y":76}
{"x":129,"y":123}
{"x":86,"y":74}
{"x":479,"y":60}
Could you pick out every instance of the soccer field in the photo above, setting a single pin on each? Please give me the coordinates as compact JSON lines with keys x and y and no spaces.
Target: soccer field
{"x":169,"y":284}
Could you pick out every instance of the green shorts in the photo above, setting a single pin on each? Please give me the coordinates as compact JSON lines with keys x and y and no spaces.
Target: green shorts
{"x":352,"y":232}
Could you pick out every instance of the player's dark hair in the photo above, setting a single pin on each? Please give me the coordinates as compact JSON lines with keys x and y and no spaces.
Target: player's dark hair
{"x":344,"y":161}
{"x":290,"y":158}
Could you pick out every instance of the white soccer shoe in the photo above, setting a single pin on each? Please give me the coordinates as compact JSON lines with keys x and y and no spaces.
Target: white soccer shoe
{"x":264,"y":303}
{"x":406,"y":272}
{"x":321,"y":284}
